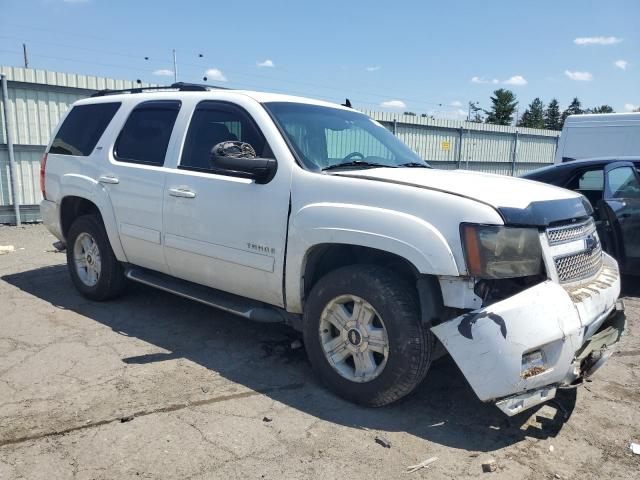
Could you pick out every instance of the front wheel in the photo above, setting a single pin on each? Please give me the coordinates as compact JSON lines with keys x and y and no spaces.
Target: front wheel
{"x":364,"y":335}
{"x":94,"y":269}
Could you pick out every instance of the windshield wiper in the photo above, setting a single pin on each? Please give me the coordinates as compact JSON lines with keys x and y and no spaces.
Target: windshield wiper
{"x":356,"y":163}
{"x":414,"y":165}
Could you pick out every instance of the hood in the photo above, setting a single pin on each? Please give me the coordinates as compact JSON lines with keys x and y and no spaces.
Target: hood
{"x":519,"y":202}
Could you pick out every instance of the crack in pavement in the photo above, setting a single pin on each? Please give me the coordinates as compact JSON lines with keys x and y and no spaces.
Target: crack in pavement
{"x":143,"y":413}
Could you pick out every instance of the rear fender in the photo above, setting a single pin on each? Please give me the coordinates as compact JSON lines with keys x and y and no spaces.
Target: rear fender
{"x":86,"y":187}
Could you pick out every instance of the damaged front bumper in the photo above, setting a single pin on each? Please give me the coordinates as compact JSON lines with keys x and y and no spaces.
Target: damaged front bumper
{"x":518,"y":351}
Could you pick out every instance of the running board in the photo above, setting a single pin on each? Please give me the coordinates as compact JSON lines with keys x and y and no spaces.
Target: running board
{"x":244,"y":307}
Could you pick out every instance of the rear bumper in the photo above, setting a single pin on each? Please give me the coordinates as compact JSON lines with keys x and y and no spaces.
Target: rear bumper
{"x":516,"y":352}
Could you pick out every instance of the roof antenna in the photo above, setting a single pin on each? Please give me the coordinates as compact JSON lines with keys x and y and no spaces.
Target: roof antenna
{"x":347,"y":103}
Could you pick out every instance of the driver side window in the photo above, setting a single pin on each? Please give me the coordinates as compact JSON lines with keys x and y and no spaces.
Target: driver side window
{"x":623,"y":183}
{"x":215,"y":122}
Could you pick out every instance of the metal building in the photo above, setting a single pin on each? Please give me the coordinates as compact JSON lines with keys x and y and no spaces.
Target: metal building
{"x":38,"y":98}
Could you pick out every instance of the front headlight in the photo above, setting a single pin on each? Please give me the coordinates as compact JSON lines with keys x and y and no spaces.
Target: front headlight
{"x":501,"y":252}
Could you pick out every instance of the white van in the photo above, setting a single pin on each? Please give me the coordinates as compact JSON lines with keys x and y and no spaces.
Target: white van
{"x":601,"y":135}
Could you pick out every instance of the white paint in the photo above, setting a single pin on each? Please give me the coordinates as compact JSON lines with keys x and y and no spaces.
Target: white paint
{"x":211,"y":237}
{"x":543,"y":317}
{"x":602,"y":135}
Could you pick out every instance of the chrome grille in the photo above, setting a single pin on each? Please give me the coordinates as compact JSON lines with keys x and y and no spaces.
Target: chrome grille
{"x":578,"y":266}
{"x":569,"y":233}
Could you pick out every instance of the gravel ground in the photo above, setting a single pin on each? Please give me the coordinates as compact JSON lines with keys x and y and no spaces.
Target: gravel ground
{"x":154,"y":386}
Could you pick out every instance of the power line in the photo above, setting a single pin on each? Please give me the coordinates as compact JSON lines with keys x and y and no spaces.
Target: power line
{"x":192,"y":68}
{"x":235,"y":72}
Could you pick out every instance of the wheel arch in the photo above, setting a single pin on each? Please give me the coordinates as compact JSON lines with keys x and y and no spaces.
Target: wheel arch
{"x":75,"y":204}
{"x":412,"y":246}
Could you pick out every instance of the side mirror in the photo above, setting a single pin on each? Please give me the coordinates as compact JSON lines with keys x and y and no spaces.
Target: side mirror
{"x":240,"y":158}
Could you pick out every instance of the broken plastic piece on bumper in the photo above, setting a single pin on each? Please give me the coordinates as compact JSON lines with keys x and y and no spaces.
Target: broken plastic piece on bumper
{"x":488,"y":344}
{"x":518,"y":403}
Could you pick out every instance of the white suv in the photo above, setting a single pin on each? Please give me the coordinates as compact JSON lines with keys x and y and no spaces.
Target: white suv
{"x":285,"y":209}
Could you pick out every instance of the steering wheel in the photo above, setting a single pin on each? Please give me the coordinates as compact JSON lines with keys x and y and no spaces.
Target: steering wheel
{"x":352,"y":155}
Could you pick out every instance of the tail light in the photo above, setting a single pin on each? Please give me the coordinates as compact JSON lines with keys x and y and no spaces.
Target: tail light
{"x":43,"y":168}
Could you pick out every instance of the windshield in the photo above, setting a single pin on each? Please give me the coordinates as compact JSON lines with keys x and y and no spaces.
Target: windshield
{"x":325,"y":137}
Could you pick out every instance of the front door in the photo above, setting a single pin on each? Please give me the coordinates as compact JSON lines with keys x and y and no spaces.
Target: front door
{"x":222,"y":230}
{"x":622,"y":196}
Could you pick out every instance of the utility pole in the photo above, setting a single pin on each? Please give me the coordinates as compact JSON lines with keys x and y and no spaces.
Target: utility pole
{"x":24,"y":52}
{"x":13,"y":170}
{"x":175,"y":66}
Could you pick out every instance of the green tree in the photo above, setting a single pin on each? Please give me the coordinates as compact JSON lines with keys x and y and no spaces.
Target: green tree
{"x":525,"y":119}
{"x":475,"y":114}
{"x":533,"y":116}
{"x":552,"y":117}
{"x":574,"y":108}
{"x":600,"y":109}
{"x":503,"y":106}
{"x":411,"y":114}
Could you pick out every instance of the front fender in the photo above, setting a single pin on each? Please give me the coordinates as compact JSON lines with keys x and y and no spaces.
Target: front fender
{"x":395,"y":232}
{"x":74,"y":185}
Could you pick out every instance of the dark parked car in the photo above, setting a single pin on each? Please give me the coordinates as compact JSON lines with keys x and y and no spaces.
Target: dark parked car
{"x":613,"y":188}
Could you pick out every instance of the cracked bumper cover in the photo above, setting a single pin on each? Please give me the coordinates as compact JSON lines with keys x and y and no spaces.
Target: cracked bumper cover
{"x":565,"y":324}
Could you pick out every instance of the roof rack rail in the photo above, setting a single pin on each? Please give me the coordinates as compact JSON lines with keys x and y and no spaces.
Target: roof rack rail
{"x":180,"y":86}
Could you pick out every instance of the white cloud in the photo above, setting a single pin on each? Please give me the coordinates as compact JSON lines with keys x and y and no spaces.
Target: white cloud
{"x":621,"y":64}
{"x":516,"y":80}
{"x":266,"y":64}
{"x":482,"y":80}
{"x":630,"y":107}
{"x":456,"y":103}
{"x":579,"y":76}
{"x":457,"y":114}
{"x":163,"y":72}
{"x":373,"y":68}
{"x":215,"y":75}
{"x":393,"y":104}
{"x":597,"y":40}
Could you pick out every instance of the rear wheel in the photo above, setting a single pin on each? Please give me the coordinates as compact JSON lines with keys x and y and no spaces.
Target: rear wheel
{"x":364,"y":335}
{"x":94,"y":269}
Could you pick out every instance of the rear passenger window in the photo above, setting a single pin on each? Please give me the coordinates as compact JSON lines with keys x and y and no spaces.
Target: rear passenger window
{"x":591,"y":180}
{"x":215,"y":122}
{"x":589,"y":183}
{"x":145,"y":136}
{"x":82,"y":128}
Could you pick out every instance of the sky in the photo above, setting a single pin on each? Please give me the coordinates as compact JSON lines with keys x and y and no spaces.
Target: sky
{"x":420,"y":56}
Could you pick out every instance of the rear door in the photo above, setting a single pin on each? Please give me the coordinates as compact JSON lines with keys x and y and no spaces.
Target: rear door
{"x":222,"y":230}
{"x":622,"y":196}
{"x":134,"y":178}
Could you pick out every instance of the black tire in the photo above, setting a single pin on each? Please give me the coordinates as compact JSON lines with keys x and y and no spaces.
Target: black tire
{"x":111,"y":281}
{"x":410,"y":342}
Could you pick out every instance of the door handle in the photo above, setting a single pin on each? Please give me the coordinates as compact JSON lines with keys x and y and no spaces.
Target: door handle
{"x":182,"y":193}
{"x":108,"y":179}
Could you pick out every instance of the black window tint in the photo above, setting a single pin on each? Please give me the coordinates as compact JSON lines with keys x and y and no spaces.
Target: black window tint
{"x":215,"y":122}
{"x":82,"y":129}
{"x":145,"y":136}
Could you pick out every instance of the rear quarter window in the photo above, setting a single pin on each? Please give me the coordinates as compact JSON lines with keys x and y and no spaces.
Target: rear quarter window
{"x":82,"y":128}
